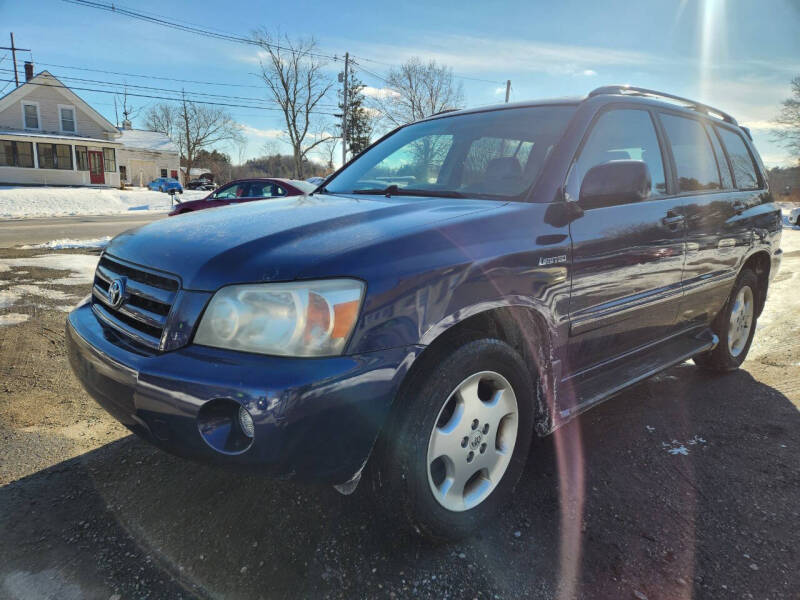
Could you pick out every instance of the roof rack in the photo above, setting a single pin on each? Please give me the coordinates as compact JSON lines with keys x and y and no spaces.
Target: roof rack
{"x":637,"y":91}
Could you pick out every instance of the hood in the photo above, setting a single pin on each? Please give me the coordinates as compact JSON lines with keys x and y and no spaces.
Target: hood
{"x":277,"y":240}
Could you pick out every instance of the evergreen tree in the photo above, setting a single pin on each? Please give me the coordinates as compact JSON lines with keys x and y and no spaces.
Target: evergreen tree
{"x":360,"y":123}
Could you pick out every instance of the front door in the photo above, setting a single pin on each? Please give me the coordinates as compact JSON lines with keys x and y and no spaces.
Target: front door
{"x":627,"y":258}
{"x":96,"y":174}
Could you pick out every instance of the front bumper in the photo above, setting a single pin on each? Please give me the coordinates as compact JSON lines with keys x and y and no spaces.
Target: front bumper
{"x":315,"y":419}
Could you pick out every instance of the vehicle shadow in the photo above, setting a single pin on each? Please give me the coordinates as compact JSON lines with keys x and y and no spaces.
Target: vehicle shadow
{"x":683,"y":487}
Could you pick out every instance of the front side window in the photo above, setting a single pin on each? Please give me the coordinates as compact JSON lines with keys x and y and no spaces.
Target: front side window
{"x":492,"y":154}
{"x":744,"y":171}
{"x":620,"y":134}
{"x":694,"y":158}
{"x":233,"y":191}
{"x":82,"y":158}
{"x":16,"y":154}
{"x":109,"y":160}
{"x":67,"y":115}
{"x":30,"y":113}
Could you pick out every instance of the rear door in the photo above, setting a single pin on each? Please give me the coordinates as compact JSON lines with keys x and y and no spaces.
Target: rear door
{"x":718,"y":234}
{"x":627,"y":258}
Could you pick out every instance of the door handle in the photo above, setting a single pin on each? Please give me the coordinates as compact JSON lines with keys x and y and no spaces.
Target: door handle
{"x":672,"y":219}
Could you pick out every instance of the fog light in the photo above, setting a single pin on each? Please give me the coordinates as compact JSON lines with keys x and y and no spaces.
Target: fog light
{"x":246,"y":422}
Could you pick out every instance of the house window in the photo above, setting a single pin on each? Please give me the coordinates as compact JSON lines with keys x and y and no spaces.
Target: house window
{"x":67,"y":116}
{"x":30,"y":115}
{"x":55,"y":156}
{"x":82,"y":158}
{"x":16,"y":154}
{"x":110,"y":160}
{"x":123,"y":173}
{"x":163,"y":172}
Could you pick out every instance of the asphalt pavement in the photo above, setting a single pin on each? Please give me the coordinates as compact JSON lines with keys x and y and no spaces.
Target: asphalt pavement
{"x":16,"y":232}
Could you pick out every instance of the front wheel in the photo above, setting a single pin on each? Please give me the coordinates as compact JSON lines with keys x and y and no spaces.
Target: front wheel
{"x":735,"y":327}
{"x":460,"y":439}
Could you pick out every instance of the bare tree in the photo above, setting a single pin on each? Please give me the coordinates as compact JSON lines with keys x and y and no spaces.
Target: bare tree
{"x":328,"y":151}
{"x":193,"y":127}
{"x":294,"y":76}
{"x":419,"y":90}
{"x":788,"y":120}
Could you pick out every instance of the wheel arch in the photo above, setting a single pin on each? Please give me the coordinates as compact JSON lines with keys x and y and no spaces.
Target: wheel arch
{"x":760,"y":263}
{"x":522,"y":327}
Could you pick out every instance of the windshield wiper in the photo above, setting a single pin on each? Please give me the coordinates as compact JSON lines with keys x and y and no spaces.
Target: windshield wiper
{"x":394,"y":190}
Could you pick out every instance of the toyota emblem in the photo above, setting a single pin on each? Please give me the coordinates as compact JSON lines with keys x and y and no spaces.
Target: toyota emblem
{"x":116,"y":292}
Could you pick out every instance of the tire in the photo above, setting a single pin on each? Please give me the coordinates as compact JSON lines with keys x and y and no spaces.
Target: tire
{"x":729,"y":325}
{"x":411,"y":477}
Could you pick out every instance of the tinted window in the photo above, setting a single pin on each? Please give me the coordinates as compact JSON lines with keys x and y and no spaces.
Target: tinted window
{"x":496,"y":153}
{"x":744,"y":171}
{"x":724,"y":169}
{"x":625,"y":134}
{"x":261,"y":189}
{"x":694,"y":159}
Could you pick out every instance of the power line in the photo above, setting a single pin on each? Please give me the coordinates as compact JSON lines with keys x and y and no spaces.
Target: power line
{"x":222,"y":35}
{"x":165,"y":22}
{"x":159,"y":89}
{"x":173,"y":79}
{"x":167,"y":98}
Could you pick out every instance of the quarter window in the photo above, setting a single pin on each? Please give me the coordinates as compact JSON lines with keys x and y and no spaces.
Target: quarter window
{"x":694,"y":159}
{"x":30,"y":113}
{"x":16,"y":154}
{"x":621,"y":134}
{"x":67,"y":114}
{"x":744,"y":171}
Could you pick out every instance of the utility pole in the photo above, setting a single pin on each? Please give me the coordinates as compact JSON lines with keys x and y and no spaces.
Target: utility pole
{"x":508,"y":89}
{"x":344,"y":111}
{"x":14,"y":49}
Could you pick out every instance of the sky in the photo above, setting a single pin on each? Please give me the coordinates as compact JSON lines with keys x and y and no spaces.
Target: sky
{"x":737,"y":55}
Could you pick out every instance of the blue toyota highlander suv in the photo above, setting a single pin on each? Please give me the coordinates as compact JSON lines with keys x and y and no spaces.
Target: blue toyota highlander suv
{"x":469,"y":281}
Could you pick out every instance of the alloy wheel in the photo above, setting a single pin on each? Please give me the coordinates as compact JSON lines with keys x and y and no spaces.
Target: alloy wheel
{"x":472,"y":441}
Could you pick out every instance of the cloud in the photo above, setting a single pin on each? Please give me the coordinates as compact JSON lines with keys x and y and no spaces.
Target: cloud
{"x":500,"y":90}
{"x":589,"y":72}
{"x":483,"y":54}
{"x":380,"y":93}
{"x":263,"y":133}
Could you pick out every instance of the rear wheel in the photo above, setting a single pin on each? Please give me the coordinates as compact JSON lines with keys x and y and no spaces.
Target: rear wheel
{"x":459,"y":440}
{"x":735,"y":327}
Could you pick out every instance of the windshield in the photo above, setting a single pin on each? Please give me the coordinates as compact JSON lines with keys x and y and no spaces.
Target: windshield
{"x":494,"y":154}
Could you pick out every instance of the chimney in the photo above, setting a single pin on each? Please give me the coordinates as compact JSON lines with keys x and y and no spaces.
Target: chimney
{"x":126,"y":124}
{"x":28,"y":70}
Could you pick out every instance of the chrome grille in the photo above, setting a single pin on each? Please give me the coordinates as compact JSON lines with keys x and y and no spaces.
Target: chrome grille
{"x":146,"y":302}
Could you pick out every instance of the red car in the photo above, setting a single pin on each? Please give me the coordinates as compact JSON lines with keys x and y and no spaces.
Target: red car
{"x":247,"y":190}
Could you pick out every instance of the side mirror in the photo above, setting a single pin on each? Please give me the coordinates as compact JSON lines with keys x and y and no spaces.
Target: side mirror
{"x":615,"y":182}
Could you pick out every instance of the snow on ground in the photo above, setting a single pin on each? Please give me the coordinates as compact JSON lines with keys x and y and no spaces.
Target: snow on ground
{"x":13,"y":319}
{"x":81,"y":265}
{"x":68,"y":243}
{"x":25,"y":202}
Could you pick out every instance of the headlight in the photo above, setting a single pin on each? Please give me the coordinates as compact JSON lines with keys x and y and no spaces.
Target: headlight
{"x":304,"y":318}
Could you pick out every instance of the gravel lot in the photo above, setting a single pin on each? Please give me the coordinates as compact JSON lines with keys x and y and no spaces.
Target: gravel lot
{"x":687,"y":486}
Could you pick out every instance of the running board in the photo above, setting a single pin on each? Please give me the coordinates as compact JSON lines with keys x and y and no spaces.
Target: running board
{"x":590,"y":388}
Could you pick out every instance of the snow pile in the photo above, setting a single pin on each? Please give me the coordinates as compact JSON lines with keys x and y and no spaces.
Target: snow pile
{"x":68,"y":243}
{"x":21,"y":202}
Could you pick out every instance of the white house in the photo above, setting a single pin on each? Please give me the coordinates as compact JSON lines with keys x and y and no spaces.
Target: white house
{"x":146,"y":155}
{"x":50,"y":136}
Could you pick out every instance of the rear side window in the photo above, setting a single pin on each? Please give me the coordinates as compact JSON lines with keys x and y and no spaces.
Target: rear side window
{"x":621,"y":134}
{"x":694,"y":159}
{"x":724,"y":169}
{"x":744,"y":171}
